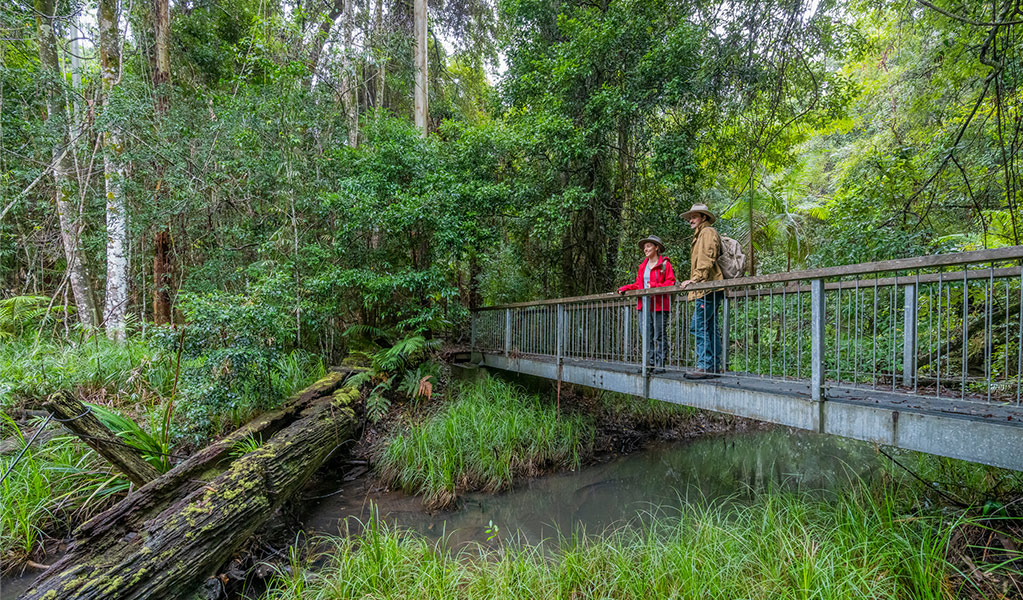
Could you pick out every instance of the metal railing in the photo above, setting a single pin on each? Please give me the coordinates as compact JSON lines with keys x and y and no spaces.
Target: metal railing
{"x":947,"y":326}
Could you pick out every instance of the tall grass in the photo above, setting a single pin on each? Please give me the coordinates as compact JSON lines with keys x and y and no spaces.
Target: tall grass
{"x":491,"y":433}
{"x":782,"y":546}
{"x":34,"y":370}
{"x":49,"y":489}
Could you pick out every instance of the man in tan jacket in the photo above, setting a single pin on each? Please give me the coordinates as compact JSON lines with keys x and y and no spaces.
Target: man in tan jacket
{"x":703,"y":266}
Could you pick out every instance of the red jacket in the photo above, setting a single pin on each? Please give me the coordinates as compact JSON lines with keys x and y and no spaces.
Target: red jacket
{"x":662,"y":275}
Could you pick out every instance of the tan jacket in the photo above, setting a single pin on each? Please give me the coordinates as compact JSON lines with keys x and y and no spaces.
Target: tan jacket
{"x":703,"y":261}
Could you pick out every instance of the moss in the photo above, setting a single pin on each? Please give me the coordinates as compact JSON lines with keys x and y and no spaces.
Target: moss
{"x":355,"y":361}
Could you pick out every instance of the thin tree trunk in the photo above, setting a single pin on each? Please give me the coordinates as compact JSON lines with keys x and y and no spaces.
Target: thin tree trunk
{"x":422,"y":110}
{"x":378,"y":34}
{"x":348,"y":85}
{"x":320,"y":38}
{"x":78,"y":271}
{"x":113,"y":174}
{"x":162,"y":266}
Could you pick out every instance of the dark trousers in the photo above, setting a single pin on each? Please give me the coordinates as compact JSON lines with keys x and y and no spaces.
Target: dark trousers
{"x":657,"y":338}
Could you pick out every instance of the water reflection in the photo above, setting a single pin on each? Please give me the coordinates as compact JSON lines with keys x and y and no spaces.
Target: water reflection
{"x":713,"y":469}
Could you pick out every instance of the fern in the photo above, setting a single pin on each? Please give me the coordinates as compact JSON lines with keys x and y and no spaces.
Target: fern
{"x":357,"y":380}
{"x":21,"y":312}
{"x":368,"y":332}
{"x":403,"y":352}
{"x":377,"y":404}
{"x":416,"y":383}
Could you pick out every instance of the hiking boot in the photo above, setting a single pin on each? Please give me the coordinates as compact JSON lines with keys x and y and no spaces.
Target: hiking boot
{"x":700,"y":374}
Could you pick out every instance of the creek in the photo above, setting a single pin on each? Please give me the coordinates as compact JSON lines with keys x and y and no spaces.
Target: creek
{"x":722,"y":469}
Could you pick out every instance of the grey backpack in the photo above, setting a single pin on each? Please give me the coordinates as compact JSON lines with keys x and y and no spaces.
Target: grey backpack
{"x":732,"y":260}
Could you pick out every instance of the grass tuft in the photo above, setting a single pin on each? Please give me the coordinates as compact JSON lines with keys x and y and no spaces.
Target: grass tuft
{"x":491,"y":433}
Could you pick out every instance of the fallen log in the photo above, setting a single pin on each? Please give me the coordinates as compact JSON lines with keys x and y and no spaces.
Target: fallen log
{"x":76,"y":416}
{"x":164,"y":539}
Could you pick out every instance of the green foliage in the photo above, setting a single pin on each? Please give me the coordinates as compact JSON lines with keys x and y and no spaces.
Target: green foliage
{"x":377,"y":403}
{"x":53,"y":486}
{"x":403,"y":353}
{"x":249,"y":443}
{"x":154,"y":446}
{"x":489,"y":434}
{"x":856,"y":546}
{"x":21,"y":314}
{"x":134,"y":369}
{"x":237,"y":358}
{"x":425,"y":374}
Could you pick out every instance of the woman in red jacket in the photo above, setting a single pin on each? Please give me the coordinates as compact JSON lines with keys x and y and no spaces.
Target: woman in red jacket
{"x":654,"y":271}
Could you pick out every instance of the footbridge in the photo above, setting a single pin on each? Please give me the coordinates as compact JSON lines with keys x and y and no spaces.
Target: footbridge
{"x":923,"y":353}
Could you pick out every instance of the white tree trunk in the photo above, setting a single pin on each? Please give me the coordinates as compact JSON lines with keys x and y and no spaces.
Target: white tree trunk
{"x":78,"y":272}
{"x":421,"y":94}
{"x":113,"y":174}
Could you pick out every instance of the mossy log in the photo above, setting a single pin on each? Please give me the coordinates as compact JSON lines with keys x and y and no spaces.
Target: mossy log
{"x":165,"y":538}
{"x":75,"y":416}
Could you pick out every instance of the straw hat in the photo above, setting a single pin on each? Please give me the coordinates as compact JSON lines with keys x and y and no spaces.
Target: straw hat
{"x":654,"y":239}
{"x":700,"y":209}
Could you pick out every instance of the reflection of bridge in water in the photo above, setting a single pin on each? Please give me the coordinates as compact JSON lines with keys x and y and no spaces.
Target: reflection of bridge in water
{"x":923,"y":353}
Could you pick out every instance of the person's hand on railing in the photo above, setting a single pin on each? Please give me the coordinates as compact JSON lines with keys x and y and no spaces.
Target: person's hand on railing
{"x":685,"y":283}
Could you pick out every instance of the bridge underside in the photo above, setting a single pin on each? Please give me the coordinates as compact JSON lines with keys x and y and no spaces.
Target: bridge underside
{"x":984,"y":433}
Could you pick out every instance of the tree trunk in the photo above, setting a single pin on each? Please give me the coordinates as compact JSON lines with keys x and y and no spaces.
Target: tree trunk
{"x":78,"y":271}
{"x":320,"y":38}
{"x":378,"y":30}
{"x":163,"y":276}
{"x":422,"y":110}
{"x":113,"y":174}
{"x":348,"y":79}
{"x":164,"y":539}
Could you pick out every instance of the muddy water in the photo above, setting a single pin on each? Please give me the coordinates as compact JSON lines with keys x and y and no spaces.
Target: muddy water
{"x":717,"y":469}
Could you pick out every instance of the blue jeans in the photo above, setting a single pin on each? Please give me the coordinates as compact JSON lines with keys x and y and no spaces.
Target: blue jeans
{"x":704,"y":327}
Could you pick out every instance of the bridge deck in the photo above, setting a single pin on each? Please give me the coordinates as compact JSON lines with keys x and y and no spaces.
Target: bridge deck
{"x":989,"y":433}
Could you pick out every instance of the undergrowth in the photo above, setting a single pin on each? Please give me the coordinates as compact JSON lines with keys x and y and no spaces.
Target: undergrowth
{"x":860,"y":545}
{"x":489,"y":434}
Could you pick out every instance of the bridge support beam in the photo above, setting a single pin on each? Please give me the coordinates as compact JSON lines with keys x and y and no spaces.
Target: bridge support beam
{"x":996,"y":443}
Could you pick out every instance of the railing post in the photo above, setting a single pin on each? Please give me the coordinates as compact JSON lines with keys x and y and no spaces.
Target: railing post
{"x":507,"y":332}
{"x":817,"y":339}
{"x":627,"y":324}
{"x":724,"y":334}
{"x":909,"y":335}
{"x":645,"y":324}
{"x":559,"y":335}
{"x":472,"y":332}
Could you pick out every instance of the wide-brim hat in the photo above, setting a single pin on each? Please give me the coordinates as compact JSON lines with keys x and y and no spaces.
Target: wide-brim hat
{"x":700,"y":209}
{"x":654,"y":239}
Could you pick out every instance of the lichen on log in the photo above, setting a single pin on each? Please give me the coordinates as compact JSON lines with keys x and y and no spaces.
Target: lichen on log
{"x":166,"y":538}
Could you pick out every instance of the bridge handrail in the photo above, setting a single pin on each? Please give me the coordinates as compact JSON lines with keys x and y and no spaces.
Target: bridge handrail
{"x":870,"y":268}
